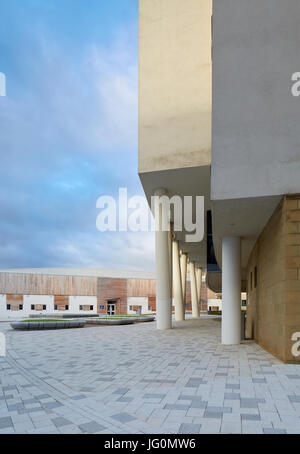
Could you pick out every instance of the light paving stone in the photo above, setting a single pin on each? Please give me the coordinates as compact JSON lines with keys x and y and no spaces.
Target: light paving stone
{"x":274,"y":431}
{"x":231,"y":427}
{"x":159,"y":380}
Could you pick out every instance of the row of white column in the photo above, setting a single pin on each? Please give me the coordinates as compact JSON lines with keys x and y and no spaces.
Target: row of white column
{"x":171,"y":274}
{"x":168,"y":265}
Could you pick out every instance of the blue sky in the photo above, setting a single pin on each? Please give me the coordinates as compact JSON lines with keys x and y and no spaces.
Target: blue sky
{"x":68,"y":132}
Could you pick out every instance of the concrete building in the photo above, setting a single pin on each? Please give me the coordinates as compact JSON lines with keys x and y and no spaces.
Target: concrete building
{"x":24,"y":292}
{"x":217,"y":118}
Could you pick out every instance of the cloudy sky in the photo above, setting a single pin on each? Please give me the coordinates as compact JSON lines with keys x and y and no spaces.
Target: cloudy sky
{"x":68,"y":132}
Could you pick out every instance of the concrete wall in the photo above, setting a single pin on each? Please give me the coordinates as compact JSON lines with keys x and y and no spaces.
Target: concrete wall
{"x":85,"y":301}
{"x":256,"y":134}
{"x":174,"y":84}
{"x":135,"y":302}
{"x":273,"y":306}
{"x":39,"y":301}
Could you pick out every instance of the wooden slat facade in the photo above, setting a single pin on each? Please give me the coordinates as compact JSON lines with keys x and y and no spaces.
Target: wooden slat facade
{"x":140,"y":287}
{"x":45,"y":284}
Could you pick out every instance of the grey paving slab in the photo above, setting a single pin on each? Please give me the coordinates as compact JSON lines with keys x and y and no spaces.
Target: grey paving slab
{"x":189,"y":429}
{"x":213,"y":414}
{"x":182,"y":380}
{"x":154,"y":396}
{"x":6,"y":422}
{"x":198,"y":404}
{"x":91,"y":427}
{"x":249,"y":417}
{"x":232,"y":396}
{"x":294,"y":399}
{"x":232,"y":386}
{"x":60,"y":421}
{"x":121,"y":391}
{"x":123,"y":417}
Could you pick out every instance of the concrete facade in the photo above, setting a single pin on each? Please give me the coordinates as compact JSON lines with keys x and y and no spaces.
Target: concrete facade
{"x":175,"y":77}
{"x":217,"y":118}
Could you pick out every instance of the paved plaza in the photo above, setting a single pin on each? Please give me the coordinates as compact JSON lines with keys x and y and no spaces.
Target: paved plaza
{"x":135,"y":379}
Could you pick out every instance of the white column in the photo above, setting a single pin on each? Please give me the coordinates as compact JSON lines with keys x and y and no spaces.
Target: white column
{"x":231,"y":290}
{"x":195,"y":310}
{"x":183,"y":267}
{"x":162,"y":257}
{"x":177,"y":285}
{"x":170,"y":240}
{"x":199,"y":283}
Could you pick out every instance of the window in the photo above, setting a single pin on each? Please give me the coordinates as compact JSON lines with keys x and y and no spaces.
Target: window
{"x":55,"y":307}
{"x":44,"y":307}
{"x":32,"y":307}
{"x":255,"y":277}
{"x":244,"y":303}
{"x":149,"y":308}
{"x":91,"y":308}
{"x":8,"y":307}
{"x":66,"y":307}
{"x":20,"y":307}
{"x":130,"y":308}
{"x":81,"y":308}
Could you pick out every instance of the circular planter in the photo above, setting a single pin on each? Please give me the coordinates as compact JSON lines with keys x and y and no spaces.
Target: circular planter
{"x":147,"y":318}
{"x":41,"y":325}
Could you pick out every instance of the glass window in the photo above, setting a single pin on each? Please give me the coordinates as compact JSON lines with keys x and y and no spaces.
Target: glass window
{"x":8,"y":307}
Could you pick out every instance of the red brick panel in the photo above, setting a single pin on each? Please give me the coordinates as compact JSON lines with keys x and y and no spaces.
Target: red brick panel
{"x":188,"y":297}
{"x":152,"y":303}
{"x":61,"y":302}
{"x":204,"y":292}
{"x":14,"y":301}
{"x":111,"y":289}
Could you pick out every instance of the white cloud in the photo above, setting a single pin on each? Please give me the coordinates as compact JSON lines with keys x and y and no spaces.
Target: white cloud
{"x":71,"y":108}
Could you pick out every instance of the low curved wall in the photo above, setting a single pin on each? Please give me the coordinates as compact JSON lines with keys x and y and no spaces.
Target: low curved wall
{"x":110,"y":321}
{"x":65,"y":324}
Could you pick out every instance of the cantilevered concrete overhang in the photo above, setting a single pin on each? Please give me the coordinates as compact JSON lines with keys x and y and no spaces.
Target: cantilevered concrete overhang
{"x":244,"y":218}
{"x":255,"y":141}
{"x":193,"y":181}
